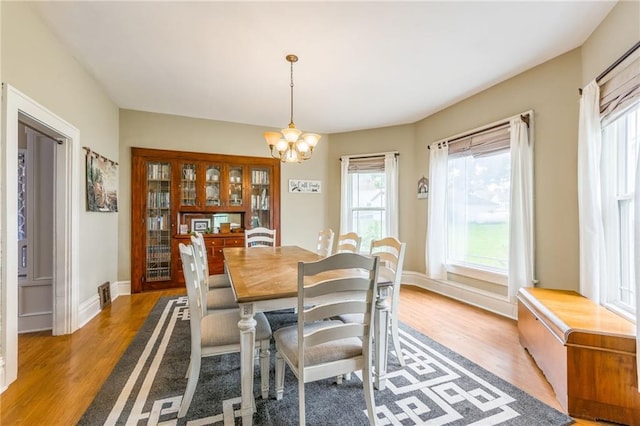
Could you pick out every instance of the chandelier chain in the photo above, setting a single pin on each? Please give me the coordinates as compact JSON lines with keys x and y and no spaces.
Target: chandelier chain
{"x":291,"y":125}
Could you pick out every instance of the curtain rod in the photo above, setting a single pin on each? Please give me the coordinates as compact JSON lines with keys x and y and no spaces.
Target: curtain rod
{"x":618,"y":61}
{"x":377,"y":154}
{"x":525,"y":116}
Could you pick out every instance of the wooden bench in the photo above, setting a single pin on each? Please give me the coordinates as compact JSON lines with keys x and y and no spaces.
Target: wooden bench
{"x":586,"y":352}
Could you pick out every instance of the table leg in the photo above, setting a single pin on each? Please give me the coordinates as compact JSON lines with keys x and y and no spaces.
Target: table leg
{"x":381,"y":324}
{"x":247,"y":326}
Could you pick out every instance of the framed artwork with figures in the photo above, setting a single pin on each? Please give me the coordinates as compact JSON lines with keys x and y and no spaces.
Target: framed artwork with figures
{"x":423,"y":187}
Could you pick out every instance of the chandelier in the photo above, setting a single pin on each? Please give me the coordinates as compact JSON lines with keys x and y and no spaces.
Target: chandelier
{"x":288,"y":145}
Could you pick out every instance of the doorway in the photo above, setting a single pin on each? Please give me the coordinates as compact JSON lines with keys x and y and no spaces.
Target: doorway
{"x":36,"y":153}
{"x":16,"y":108}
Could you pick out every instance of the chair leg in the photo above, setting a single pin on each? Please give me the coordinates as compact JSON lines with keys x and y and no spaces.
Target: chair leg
{"x":279,"y":376}
{"x":186,"y":376}
{"x":301,"y":411}
{"x":396,"y":339}
{"x":264,"y":367}
{"x":367,"y":385}
{"x":194,"y":373}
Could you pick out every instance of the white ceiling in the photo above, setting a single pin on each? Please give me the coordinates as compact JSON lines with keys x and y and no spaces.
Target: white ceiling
{"x":362,"y":64}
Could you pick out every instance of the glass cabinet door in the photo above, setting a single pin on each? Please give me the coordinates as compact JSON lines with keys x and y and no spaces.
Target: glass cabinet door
{"x":158,"y":215}
{"x":188,"y":188}
{"x":260,"y":198}
{"x":235,"y":186}
{"x":212,"y":186}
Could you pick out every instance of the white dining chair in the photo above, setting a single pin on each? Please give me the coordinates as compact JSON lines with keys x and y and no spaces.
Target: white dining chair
{"x":348,"y":243}
{"x":215,"y":333}
{"x":318,"y":347}
{"x":215,"y":280}
{"x":259,"y":237}
{"x":213,"y":298}
{"x":391,"y":253}
{"x":325,"y":242}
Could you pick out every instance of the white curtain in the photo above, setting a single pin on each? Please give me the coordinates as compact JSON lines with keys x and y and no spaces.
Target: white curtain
{"x":521,"y":209}
{"x":436,"y":212}
{"x":345,"y":202}
{"x":592,"y":238}
{"x":391,"y":172}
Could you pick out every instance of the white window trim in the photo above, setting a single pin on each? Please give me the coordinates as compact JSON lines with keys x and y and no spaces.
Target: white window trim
{"x":478,"y":273}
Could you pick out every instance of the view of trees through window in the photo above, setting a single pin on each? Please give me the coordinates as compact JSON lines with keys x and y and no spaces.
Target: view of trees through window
{"x":368,"y":206}
{"x":478,"y":210}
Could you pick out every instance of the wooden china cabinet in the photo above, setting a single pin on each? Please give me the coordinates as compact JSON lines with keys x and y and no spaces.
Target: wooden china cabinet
{"x":175,"y":193}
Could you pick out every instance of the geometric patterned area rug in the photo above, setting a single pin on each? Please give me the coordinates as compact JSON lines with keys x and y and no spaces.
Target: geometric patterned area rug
{"x":436,"y":387}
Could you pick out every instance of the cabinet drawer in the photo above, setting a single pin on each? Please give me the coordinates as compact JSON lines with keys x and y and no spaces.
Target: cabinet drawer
{"x":214,"y":247}
{"x":234,"y":242}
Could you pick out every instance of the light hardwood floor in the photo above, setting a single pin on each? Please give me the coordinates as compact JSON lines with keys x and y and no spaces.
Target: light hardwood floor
{"x":59,"y":375}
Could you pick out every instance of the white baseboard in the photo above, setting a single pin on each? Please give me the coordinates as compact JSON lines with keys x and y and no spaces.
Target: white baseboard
{"x":123,"y":287}
{"x":472,"y":296}
{"x":91,"y":307}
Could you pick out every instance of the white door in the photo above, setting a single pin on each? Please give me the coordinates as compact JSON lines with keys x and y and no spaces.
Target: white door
{"x":35,"y":230}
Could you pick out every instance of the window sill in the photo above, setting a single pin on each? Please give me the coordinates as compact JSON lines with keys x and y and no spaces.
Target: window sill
{"x":478,"y":274}
{"x":621,"y":312}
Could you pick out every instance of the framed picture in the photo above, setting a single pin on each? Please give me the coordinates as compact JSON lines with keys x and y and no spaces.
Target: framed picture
{"x":309,"y":186}
{"x":200,"y":225}
{"x":102,"y":183}
{"x":423,"y":187}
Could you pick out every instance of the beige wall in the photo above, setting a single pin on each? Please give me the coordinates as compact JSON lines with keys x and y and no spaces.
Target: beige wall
{"x":36,"y":64}
{"x":551,"y":91}
{"x":397,"y":138}
{"x":302,"y":215}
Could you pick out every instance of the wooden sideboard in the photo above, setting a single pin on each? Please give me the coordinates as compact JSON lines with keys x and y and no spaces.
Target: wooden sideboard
{"x":586,"y":352}
{"x":214,"y":245}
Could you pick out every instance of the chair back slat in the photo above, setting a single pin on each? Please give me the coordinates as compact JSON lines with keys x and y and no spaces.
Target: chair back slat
{"x":339,"y":284}
{"x":202,"y":266}
{"x":391,"y":253}
{"x":348,"y":243}
{"x":322,"y":311}
{"x":192,"y":281}
{"x":259,"y":237}
{"x":336,"y":332}
{"x":325,"y":242}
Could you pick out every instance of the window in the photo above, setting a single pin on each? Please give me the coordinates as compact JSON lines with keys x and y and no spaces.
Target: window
{"x":369,"y":197}
{"x":368,"y":206}
{"x":621,"y":143}
{"x":478,"y":205}
{"x":478,"y":211}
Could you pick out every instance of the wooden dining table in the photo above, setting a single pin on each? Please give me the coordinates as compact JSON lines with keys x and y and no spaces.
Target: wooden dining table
{"x":266,"y":279}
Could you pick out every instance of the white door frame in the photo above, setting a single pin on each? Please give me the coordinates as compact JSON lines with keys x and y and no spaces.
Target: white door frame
{"x":17,"y":106}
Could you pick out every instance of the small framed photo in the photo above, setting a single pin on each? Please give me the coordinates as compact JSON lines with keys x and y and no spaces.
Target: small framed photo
{"x":423,"y":188}
{"x":200,"y":225}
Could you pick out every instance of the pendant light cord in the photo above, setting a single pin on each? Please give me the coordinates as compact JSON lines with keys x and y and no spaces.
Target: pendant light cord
{"x":291,"y":125}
